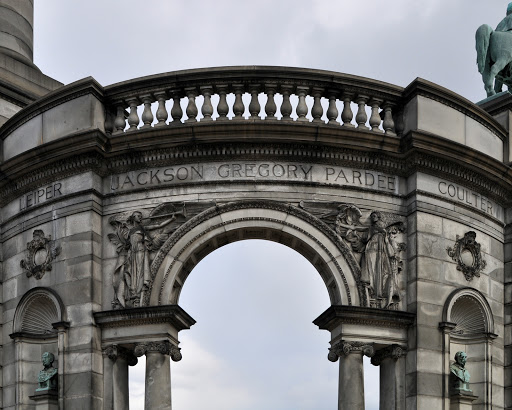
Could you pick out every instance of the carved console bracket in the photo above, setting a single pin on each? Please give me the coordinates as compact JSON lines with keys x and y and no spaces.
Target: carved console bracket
{"x":114,"y":352}
{"x":41,"y":251}
{"x":466,"y":252}
{"x":344,"y":348}
{"x":394,"y":352}
{"x":163,"y":347}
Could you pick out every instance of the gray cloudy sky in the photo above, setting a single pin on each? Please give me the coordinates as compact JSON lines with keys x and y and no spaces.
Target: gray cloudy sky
{"x":254,"y":346}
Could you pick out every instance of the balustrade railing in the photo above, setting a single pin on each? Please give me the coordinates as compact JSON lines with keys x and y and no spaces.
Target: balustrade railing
{"x":254,"y":94}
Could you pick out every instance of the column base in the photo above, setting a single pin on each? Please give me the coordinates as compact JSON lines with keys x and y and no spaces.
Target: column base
{"x":462,"y":401}
{"x":47,"y":400}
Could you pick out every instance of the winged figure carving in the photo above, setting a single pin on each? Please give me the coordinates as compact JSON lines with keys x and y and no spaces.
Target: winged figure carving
{"x":373,"y":243}
{"x":136,"y":238}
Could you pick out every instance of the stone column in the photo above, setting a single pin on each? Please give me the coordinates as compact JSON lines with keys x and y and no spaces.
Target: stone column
{"x":157,"y":395}
{"x":351,"y":376}
{"x":116,"y":360}
{"x":392,"y":377}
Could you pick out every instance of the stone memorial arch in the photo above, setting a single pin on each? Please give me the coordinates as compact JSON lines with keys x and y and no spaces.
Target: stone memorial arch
{"x":110,"y":195}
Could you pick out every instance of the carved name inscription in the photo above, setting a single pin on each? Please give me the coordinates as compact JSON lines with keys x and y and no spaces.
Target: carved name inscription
{"x":468,"y":197}
{"x":253,"y":171}
{"x":40,"y":195}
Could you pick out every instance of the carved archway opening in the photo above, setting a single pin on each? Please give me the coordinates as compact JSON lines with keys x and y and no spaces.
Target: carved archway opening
{"x":266,"y":220}
{"x":269,"y":320}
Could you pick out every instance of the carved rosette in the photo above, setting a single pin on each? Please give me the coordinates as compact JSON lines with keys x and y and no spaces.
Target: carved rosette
{"x":41,"y":251}
{"x":394,"y":352}
{"x":163,"y":347}
{"x":466,"y":252}
{"x":344,"y":348}
{"x":114,"y":352}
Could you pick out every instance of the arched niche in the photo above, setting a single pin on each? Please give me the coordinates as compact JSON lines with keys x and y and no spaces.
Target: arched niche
{"x":39,"y":326}
{"x":37,"y":310}
{"x":266,"y":220}
{"x":468,"y":326}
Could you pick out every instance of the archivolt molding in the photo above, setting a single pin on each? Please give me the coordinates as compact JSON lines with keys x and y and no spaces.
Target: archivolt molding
{"x":271,"y":205}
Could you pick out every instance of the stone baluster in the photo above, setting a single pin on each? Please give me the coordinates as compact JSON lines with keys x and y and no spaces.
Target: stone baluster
{"x":332,"y":110}
{"x":207,"y":108}
{"x":109,"y":122}
{"x":222,"y":107}
{"x":351,"y":376}
{"x":347,"y":114}
{"x":398,"y":118}
{"x":388,"y":124}
{"x":361,"y":116}
{"x":119,"y":122}
{"x":391,"y":360}
{"x":116,"y":360}
{"x":133,"y":118}
{"x":161,"y":112}
{"x":191,"y":110}
{"x":254,"y":106}
{"x":238,"y":106}
{"x":147,"y":114}
{"x":270,"y":106}
{"x":302,"y":108}
{"x":286,"y":106}
{"x":158,"y":376}
{"x":375,"y":117}
{"x":317,"y":110}
{"x":176,"y":110}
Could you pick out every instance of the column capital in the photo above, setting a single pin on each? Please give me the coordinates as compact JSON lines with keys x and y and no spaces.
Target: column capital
{"x":164,"y":347}
{"x":113,"y":352}
{"x":345,"y":348}
{"x":394,"y":352}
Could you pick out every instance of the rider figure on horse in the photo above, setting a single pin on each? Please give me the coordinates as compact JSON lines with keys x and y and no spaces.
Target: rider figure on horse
{"x":494,"y":54}
{"x":506,"y":23}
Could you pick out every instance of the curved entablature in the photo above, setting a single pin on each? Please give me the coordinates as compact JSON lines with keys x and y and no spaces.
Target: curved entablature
{"x":266,"y":220}
{"x":325,"y":116}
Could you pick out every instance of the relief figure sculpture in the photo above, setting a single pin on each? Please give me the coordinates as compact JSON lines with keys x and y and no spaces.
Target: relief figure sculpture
{"x":135,"y":238}
{"x":380,"y":263}
{"x":374,"y":244}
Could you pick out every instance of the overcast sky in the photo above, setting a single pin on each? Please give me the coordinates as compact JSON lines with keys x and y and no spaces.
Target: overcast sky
{"x":254,"y":346}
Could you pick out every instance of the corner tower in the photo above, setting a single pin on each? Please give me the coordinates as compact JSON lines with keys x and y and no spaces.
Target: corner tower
{"x":21,"y":82}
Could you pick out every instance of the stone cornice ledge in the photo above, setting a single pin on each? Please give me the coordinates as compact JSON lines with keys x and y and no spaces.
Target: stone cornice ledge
{"x":341,"y":314}
{"x":172,"y":314}
{"x":69,"y":92}
{"x":435,"y":92}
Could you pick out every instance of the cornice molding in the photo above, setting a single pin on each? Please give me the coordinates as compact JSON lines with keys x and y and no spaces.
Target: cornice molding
{"x":93,"y":150}
{"x":340,"y":314}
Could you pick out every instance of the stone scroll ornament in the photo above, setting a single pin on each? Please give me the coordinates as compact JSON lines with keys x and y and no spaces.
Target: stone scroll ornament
{"x":373,"y":240}
{"x":466,"y":252}
{"x":137,"y":238}
{"x":41,"y":252}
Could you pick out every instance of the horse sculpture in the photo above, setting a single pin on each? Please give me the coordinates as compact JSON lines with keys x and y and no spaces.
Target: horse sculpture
{"x":494,"y":55}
